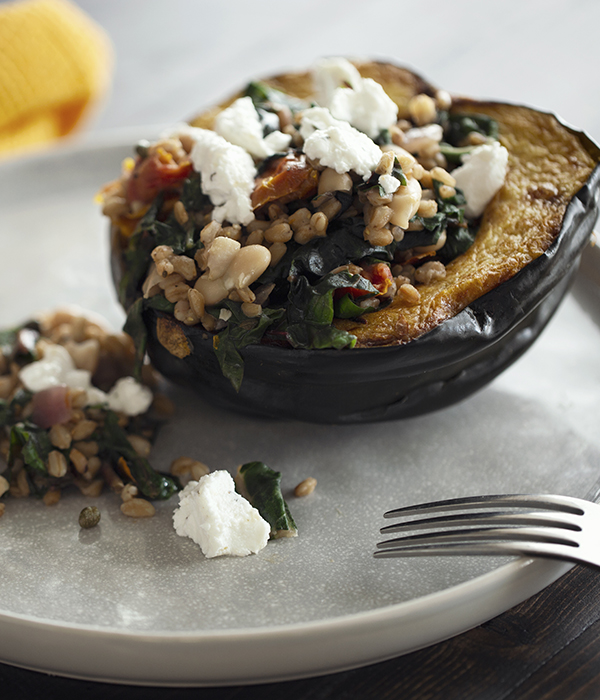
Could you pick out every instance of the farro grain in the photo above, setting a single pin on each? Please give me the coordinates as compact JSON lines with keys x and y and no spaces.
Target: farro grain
{"x":78,"y":459}
{"x":277,"y":250}
{"x":177,"y":292}
{"x":140,"y":444}
{"x":380,"y":216}
{"x":138,"y":508}
{"x":378,"y":236}
{"x":331,"y":207}
{"x":60,"y":436}
{"x":181,"y":465}
{"x":209,"y":232}
{"x":180,"y":213}
{"x":306,"y":487}
{"x":427,"y":208}
{"x":93,"y":467}
{"x":246,"y":295}
{"x":196,"y":301}
{"x":279,"y":232}
{"x":92,"y":489}
{"x":84,"y":429}
{"x":255,"y":237}
{"x":251,"y":310}
{"x":430,"y":272}
{"x":422,"y":109}
{"x":319,"y":223}
{"x":386,"y":163}
{"x":258,"y":225}
{"x":443,"y":176}
{"x":57,"y":464}
{"x":170,"y":280}
{"x":446,"y":192}
{"x":51,"y":497}
{"x":129,"y":492}
{"x":89,"y":448}
{"x":409,"y":294}
{"x":185,"y":266}
{"x":299,"y":218}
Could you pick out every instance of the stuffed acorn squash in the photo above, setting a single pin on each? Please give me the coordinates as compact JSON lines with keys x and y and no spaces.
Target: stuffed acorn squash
{"x":349,"y":243}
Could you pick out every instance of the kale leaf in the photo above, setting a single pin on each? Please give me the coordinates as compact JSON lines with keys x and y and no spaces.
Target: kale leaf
{"x":112,"y":440}
{"x":239,"y":332}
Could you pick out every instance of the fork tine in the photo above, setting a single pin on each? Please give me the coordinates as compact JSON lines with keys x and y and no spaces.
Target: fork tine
{"x":546,"y":502}
{"x":487,"y":534}
{"x":533,"y":549}
{"x":497,"y":518}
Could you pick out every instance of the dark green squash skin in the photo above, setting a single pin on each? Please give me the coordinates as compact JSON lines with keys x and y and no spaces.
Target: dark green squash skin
{"x":438,"y":369}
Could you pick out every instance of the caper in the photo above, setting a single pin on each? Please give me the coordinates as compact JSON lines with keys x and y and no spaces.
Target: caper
{"x":89,"y":517}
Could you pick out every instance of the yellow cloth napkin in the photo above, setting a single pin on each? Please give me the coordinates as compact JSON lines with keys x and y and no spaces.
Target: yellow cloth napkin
{"x":55,"y":65}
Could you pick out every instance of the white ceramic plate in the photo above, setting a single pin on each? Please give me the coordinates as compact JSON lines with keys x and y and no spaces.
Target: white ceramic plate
{"x":131,"y":602}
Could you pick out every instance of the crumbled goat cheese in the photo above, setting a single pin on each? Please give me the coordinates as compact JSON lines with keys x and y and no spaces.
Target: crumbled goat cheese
{"x":328,"y":74}
{"x":240,"y":125}
{"x":336,"y":144}
{"x":57,"y":368}
{"x":54,"y":369}
{"x":361,"y":102}
{"x":227,"y":173}
{"x":389,"y":183}
{"x":129,"y":397}
{"x":217,"y":518}
{"x":481,"y":176}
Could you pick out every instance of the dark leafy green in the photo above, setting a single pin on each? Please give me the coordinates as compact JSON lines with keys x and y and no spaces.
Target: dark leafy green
{"x":9,"y":410}
{"x":136,"y":327}
{"x":240,"y":332}
{"x":262,"y":486}
{"x":458,"y":127}
{"x":265,"y":97}
{"x":112,"y":440}
{"x":32,"y":444}
{"x":311,"y":311}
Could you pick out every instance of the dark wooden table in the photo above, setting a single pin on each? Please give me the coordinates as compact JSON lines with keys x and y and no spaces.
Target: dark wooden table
{"x":547,"y":648}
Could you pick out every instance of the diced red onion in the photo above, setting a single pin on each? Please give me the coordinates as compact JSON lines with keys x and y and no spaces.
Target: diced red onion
{"x":51,"y":406}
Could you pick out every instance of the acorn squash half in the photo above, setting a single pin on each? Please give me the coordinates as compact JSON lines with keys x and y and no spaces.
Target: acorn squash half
{"x":495,"y":300}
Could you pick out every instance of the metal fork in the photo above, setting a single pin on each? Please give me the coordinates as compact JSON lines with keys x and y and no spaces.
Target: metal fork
{"x":556,"y":527}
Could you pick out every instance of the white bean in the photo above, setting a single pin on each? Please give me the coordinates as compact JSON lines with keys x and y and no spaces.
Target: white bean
{"x":247,"y":266}
{"x":405,"y":203}
{"x":220,"y":256}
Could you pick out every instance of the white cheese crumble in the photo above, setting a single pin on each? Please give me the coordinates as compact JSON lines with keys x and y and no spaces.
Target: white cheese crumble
{"x":481,"y":176}
{"x":389,"y":183}
{"x":361,"y":102}
{"x":57,"y":368}
{"x":328,"y":74}
{"x":227,"y":173}
{"x":217,"y":518}
{"x":240,"y":125}
{"x":336,"y":144}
